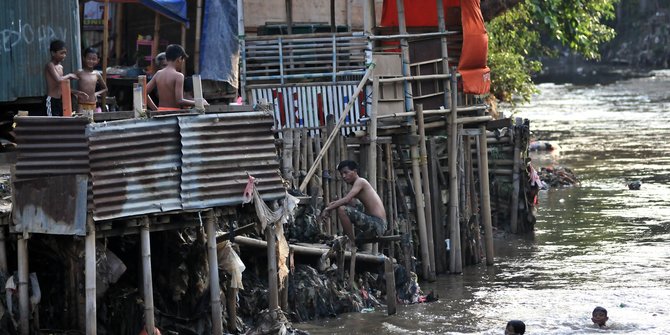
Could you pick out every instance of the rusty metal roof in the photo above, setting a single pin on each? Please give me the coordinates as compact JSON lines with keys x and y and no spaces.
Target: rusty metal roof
{"x":135,"y":167}
{"x":218,"y":152}
{"x":151,"y":166}
{"x":28,"y":27}
{"x":51,"y":146}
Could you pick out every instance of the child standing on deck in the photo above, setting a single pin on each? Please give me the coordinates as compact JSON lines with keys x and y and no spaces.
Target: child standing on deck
{"x":170,"y":82}
{"x":88,"y":79}
{"x":53,"y":72}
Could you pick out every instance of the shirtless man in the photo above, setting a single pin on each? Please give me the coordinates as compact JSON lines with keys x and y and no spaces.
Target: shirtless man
{"x":88,"y":79}
{"x":170,"y":82}
{"x":53,"y":72}
{"x":368,"y":224}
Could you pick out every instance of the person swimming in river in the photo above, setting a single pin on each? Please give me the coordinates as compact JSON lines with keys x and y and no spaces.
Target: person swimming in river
{"x":599,"y":316}
{"x":515,"y":327}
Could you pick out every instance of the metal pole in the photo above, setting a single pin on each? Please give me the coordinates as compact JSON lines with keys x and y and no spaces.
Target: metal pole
{"x":90,"y":277}
{"x":214,"y":288}
{"x":149,"y":324}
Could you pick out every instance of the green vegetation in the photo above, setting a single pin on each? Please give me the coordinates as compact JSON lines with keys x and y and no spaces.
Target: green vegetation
{"x":522,"y":34}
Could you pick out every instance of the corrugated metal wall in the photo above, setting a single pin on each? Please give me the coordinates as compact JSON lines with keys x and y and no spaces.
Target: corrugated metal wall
{"x":218,"y":152}
{"x":307,"y":106}
{"x":135,"y":167}
{"x":27,"y":27}
{"x":51,"y":146}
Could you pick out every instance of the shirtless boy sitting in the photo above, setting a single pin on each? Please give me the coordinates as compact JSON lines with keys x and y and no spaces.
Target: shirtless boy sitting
{"x":170,"y":82}
{"x":88,"y":79}
{"x":368,"y":224}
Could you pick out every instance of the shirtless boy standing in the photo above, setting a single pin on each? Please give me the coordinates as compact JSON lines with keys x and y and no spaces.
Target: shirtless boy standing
{"x":53,"y":72}
{"x":368,"y":224}
{"x":88,"y":79}
{"x":170,"y":82}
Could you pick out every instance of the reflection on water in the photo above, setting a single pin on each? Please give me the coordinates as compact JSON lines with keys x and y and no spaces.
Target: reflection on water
{"x":597,"y":244}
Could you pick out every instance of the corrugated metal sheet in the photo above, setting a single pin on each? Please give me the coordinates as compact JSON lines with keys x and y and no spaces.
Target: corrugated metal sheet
{"x":51,"y":146}
{"x":308,"y":106}
{"x":51,"y":205}
{"x":135,"y":167}
{"x":27,"y":27}
{"x":218,"y":150}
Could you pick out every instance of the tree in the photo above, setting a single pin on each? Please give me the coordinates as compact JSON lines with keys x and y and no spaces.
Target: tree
{"x":520,"y":31}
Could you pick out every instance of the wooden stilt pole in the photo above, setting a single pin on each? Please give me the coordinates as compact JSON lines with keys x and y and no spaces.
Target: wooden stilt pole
{"x":485,"y":196}
{"x":105,"y":44}
{"x":156,"y":40}
{"x":273,"y":287}
{"x":514,"y":206}
{"x":372,"y":131}
{"x":438,"y":217}
{"x":390,"y":286}
{"x":455,"y":264}
{"x":425,"y":180}
{"x":296,"y":157}
{"x":24,"y":302}
{"x":214,"y":288}
{"x":66,"y":95}
{"x":90,"y":277}
{"x":287,"y":155}
{"x":148,"y":288}
{"x":118,"y":28}
{"x":231,"y":302}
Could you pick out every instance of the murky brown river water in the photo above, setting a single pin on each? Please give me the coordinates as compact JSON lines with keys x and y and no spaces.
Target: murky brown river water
{"x":596,"y":244}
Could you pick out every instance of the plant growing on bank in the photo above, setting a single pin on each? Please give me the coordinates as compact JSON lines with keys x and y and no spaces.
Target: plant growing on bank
{"x":526,"y":31}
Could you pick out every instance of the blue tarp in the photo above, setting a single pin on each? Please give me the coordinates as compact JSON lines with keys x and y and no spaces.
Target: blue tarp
{"x":219,"y":47}
{"x":174,"y":9}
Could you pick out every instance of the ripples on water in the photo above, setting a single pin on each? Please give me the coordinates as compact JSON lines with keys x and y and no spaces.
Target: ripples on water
{"x":599,"y":244}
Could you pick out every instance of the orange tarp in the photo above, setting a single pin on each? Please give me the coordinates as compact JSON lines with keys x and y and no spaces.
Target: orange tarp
{"x":472,"y":64}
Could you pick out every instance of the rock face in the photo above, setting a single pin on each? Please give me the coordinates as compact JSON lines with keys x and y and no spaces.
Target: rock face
{"x":643,"y":35}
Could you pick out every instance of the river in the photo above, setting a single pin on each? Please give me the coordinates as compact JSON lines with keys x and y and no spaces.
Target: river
{"x":598,"y":244}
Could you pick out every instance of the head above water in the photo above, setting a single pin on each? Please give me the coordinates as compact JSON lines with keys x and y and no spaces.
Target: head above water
{"x":174,"y":52}
{"x":599,"y":316}
{"x":515,"y":327}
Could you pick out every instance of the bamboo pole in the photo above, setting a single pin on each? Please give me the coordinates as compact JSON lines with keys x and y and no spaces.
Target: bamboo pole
{"x":214,"y":288}
{"x":404,"y":50}
{"x":156,"y":40}
{"x":372,"y":131}
{"x":287,"y":155}
{"x":427,"y":271}
{"x":438,"y":214}
{"x":307,"y":250}
{"x":390,"y":286}
{"x":335,"y":131}
{"x":304,"y":144}
{"x":273,"y":288}
{"x":455,"y":263}
{"x":296,"y":157}
{"x":105,"y":43}
{"x":485,"y":202}
{"x":198,"y":24}
{"x":444,"y":51}
{"x":427,"y":199}
{"x":90,"y":277}
{"x":149,"y":321}
{"x":24,"y":302}
{"x":514,"y":210}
